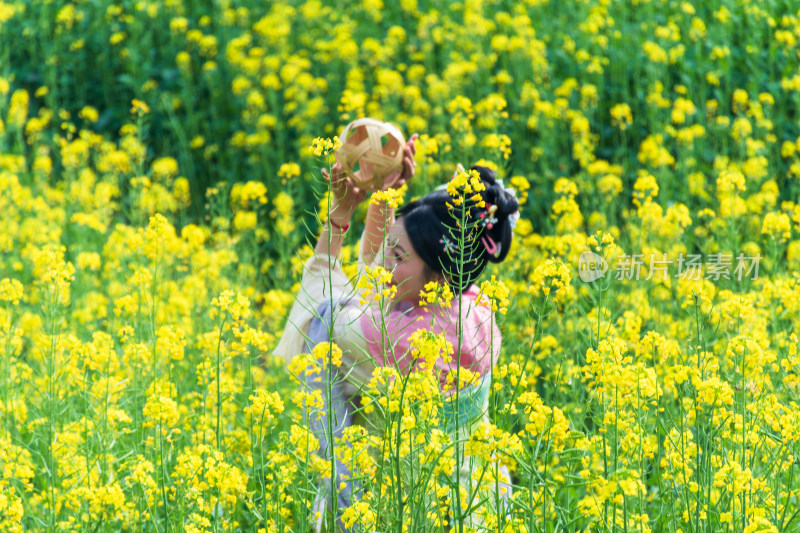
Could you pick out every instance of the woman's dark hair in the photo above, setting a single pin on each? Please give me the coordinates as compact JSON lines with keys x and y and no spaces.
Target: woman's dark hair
{"x":432,"y":221}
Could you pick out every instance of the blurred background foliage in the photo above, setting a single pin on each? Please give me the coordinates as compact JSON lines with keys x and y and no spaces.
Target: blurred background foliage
{"x":237,"y":89}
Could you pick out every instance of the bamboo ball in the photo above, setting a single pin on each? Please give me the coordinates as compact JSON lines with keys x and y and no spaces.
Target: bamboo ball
{"x":371,"y":152}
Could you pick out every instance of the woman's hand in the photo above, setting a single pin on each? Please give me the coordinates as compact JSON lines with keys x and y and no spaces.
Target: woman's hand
{"x":409,"y":165}
{"x":380,"y":216}
{"x":345,"y":196}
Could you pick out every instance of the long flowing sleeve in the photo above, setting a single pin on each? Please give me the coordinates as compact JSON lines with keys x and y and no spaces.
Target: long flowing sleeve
{"x":323,"y":280}
{"x":358,"y":362}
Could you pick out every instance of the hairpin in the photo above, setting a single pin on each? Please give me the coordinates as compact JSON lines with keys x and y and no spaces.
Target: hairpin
{"x":487,"y":217}
{"x":491,"y":246}
{"x":449,"y":246}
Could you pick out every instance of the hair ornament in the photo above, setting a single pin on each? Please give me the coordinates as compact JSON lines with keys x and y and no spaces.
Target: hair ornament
{"x":488,"y":218}
{"x":491,"y":246}
{"x":449,"y":245}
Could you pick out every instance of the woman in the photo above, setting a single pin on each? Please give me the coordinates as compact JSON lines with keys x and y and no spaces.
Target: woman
{"x":418,"y":247}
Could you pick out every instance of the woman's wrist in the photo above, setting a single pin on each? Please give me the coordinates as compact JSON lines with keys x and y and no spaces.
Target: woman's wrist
{"x":340,"y":215}
{"x":339,"y":219}
{"x":341,"y":226}
{"x":383,"y":208}
{"x":380,"y":211}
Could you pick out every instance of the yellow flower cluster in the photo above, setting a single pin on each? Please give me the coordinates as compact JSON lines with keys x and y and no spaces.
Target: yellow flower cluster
{"x":160,"y":411}
{"x":11,"y":291}
{"x":139,"y":108}
{"x":390,"y":197}
{"x":494,"y":445}
{"x":328,"y":351}
{"x":264,"y":407}
{"x":434,"y":293}
{"x":210,"y":484}
{"x":427,"y":349}
{"x":324,"y":146}
{"x":565,"y":209}
{"x":243,"y":195}
{"x":494,"y":293}
{"x":554,"y":277}
{"x":466,"y":184}
{"x":373,"y":285}
{"x":233,"y":303}
{"x":12,"y":512}
{"x":621,"y":116}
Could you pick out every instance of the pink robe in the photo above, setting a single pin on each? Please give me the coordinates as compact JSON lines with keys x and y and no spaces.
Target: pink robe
{"x":479,"y":341}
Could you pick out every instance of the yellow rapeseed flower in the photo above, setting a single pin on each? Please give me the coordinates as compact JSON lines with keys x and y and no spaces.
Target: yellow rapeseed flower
{"x":10,"y":291}
{"x":324,"y":146}
{"x":391,"y":197}
{"x":237,"y":304}
{"x":621,"y":116}
{"x":324,"y":351}
{"x":434,"y":293}
{"x":373,"y":285}
{"x":139,"y":108}
{"x":494,"y":293}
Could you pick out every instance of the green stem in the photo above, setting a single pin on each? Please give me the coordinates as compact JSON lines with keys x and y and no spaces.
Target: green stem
{"x":219,"y":387}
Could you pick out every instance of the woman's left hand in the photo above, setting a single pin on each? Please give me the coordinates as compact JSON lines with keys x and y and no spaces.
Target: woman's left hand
{"x":409,"y":165}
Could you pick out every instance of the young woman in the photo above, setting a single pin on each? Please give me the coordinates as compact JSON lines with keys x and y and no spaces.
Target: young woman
{"x":418,"y":246}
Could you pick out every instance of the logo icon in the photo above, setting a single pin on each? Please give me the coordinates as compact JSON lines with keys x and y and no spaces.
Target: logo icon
{"x":591,"y":266}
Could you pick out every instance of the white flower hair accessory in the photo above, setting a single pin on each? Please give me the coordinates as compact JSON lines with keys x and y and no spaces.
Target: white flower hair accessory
{"x":513,"y":218}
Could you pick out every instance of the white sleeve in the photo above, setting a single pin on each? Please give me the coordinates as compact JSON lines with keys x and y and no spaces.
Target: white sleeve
{"x":357,"y":362}
{"x":322,"y":279}
{"x":362,"y":263}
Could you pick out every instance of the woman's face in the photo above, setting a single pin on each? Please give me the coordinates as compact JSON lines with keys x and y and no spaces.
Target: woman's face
{"x":409,"y":272}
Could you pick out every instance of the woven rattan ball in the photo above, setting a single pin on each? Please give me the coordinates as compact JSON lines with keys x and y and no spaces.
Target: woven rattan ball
{"x":371,"y":151}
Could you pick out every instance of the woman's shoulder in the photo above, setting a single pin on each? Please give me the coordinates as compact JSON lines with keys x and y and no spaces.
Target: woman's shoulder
{"x":478,"y":329}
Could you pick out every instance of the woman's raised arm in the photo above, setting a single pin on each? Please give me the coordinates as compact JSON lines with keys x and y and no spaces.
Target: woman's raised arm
{"x":344,"y":200}
{"x":380,"y":216}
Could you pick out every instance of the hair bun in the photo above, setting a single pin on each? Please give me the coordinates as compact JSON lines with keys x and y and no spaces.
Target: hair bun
{"x":430,"y":219}
{"x":501,"y":232}
{"x":495,"y":194}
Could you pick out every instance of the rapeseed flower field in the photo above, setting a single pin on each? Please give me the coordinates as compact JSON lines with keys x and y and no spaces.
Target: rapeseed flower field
{"x":159,"y":189}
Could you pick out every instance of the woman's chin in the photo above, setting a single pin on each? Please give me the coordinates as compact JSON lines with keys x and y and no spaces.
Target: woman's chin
{"x":403,"y":301}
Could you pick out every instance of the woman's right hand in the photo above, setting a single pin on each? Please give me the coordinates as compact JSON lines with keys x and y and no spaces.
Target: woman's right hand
{"x":345,"y":196}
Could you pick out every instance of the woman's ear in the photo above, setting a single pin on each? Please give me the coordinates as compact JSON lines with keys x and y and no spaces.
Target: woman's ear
{"x":431,"y":275}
